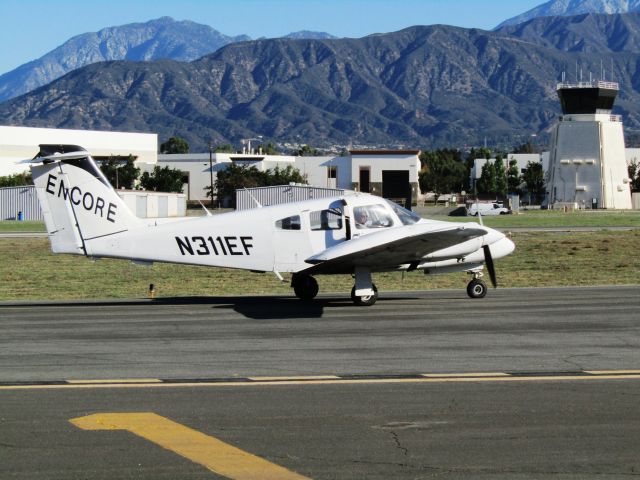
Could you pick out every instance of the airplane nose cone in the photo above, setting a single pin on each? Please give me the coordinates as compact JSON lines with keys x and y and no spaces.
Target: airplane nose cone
{"x":502,"y":247}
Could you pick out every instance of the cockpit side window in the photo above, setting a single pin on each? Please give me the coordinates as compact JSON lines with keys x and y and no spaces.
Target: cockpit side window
{"x":407,"y":217}
{"x":330,"y":219}
{"x":372,"y":216}
{"x":289,"y":223}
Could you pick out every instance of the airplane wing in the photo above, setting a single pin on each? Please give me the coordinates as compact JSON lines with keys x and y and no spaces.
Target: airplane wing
{"x":391,"y":248}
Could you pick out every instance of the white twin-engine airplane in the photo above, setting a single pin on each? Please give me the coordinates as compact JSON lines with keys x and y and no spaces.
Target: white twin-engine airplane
{"x":354,"y":234}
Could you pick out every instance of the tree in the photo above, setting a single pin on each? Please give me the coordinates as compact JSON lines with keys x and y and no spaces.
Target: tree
{"x":270,"y":149}
{"x":225,"y":148}
{"x":284,"y":176}
{"x":307,"y":151}
{"x":244,"y":176}
{"x":442,"y":172}
{"x":175,"y":145}
{"x":16,"y":180}
{"x":501,"y":177}
{"x":634,"y":175}
{"x":513,"y":177}
{"x":487,"y":182}
{"x":527,"y":147}
{"x":120,"y":175}
{"x":163,"y":179}
{"x":533,"y":177}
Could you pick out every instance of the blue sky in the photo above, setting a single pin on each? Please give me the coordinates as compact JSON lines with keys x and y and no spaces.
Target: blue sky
{"x":31,"y":28}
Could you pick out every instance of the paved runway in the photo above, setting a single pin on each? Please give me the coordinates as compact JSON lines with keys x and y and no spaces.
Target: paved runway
{"x":533,"y":413}
{"x":440,"y":331}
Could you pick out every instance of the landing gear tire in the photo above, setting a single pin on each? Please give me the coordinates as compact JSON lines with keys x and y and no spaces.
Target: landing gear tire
{"x":366,"y":300}
{"x":305,"y":287}
{"x":476,"y":288}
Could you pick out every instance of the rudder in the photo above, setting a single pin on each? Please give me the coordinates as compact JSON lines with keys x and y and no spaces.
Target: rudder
{"x":77,"y":200}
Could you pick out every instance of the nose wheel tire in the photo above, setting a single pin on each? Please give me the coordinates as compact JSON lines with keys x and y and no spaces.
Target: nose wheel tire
{"x":305,"y":287}
{"x":476,"y":288}
{"x":366,"y":300}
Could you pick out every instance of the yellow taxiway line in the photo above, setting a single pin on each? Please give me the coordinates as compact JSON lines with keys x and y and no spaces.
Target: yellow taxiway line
{"x":216,"y":455}
{"x":597,"y":375}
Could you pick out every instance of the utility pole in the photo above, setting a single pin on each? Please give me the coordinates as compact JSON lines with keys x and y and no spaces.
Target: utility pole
{"x":211,"y":170}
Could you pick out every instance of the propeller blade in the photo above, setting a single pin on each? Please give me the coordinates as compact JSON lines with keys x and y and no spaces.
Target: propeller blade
{"x":488,"y":260}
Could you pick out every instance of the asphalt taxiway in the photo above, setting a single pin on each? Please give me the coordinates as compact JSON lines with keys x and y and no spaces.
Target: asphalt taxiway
{"x":526,"y":383}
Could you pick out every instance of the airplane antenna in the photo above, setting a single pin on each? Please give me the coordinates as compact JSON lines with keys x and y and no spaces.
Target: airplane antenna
{"x":258,"y":204}
{"x":209,"y":214}
{"x":478,"y":212}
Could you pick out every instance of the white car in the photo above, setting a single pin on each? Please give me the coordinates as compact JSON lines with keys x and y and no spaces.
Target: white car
{"x":487,"y":209}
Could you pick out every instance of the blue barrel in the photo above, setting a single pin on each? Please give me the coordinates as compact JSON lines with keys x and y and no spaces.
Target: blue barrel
{"x":20,"y":216}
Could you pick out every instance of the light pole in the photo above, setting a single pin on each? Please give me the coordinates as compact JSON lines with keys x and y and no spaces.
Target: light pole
{"x":211,"y":170}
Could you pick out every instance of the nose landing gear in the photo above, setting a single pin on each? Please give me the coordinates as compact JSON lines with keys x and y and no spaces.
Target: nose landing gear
{"x":365,"y":300}
{"x":476,"y":287}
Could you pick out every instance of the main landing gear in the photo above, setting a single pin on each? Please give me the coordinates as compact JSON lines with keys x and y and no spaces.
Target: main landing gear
{"x":306,"y":289}
{"x":476,"y":287}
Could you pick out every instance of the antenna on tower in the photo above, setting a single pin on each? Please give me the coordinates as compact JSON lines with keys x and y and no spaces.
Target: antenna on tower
{"x":602,"y":72}
{"x":612,"y":75}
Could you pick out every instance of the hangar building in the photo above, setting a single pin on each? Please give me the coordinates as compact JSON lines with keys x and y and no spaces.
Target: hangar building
{"x":387,"y":173}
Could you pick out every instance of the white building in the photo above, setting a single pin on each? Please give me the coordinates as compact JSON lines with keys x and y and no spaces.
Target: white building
{"x":21,"y":143}
{"x":388,"y":173}
{"x":588,"y":166}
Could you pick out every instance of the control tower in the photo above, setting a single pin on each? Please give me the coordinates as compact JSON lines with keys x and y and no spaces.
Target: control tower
{"x":587,"y":164}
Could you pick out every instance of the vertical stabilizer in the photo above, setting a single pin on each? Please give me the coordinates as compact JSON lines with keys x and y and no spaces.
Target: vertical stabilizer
{"x":77,"y":200}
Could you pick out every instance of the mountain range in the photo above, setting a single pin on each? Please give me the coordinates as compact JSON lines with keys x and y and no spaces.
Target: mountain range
{"x":422,"y":86}
{"x":569,"y":8}
{"x":163,"y":38}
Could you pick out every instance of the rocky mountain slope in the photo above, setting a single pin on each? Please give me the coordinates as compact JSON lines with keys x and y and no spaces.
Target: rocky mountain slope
{"x":419,"y":87}
{"x":590,"y":33}
{"x":568,"y":8}
{"x":163,"y":38}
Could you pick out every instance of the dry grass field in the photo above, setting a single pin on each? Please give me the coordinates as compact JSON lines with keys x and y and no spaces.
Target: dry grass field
{"x":29,"y":271}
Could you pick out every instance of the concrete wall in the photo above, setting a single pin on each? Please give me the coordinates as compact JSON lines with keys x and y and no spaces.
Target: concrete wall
{"x":146,"y":204}
{"x":588,"y":164}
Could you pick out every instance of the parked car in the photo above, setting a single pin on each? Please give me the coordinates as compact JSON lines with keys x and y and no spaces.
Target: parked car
{"x":487,"y":209}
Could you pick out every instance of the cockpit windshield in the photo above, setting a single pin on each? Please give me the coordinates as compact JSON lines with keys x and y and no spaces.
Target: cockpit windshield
{"x":372,"y":216}
{"x":407,"y":217}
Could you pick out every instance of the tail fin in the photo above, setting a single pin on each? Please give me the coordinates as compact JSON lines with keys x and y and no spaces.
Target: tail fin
{"x":76,"y":198}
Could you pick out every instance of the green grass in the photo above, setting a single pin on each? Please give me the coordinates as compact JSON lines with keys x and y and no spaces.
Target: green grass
{"x":26,"y":226}
{"x":552,"y":219}
{"x":29,"y":271}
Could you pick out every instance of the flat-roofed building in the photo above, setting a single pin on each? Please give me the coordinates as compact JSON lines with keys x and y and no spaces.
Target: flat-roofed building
{"x":21,"y":143}
{"x":387,"y":173}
